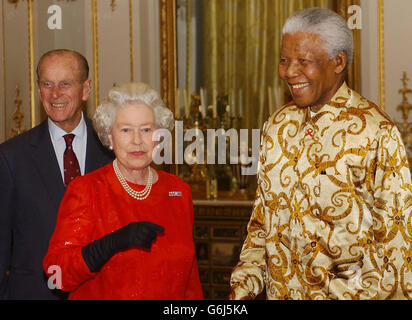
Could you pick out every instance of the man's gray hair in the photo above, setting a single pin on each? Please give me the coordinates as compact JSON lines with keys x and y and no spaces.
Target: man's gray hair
{"x":331,"y":27}
{"x":130,"y":93}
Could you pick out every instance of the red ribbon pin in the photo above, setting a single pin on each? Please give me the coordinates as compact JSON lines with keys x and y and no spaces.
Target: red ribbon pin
{"x":309,"y":132}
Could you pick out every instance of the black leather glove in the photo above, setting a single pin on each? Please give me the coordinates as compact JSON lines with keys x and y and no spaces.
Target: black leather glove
{"x":140,"y":234}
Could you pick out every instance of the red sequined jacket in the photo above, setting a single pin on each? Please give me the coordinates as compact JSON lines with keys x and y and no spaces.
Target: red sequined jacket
{"x":95,"y":205}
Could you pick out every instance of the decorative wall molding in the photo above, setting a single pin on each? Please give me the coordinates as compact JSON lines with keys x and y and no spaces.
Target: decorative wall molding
{"x":31,"y":63}
{"x":131,"y":40}
{"x":168,"y":51}
{"x":381,"y":54}
{"x":31,"y":59}
{"x":4,"y":67}
{"x":95,"y":54}
{"x":15,"y":2}
{"x":18,"y":116}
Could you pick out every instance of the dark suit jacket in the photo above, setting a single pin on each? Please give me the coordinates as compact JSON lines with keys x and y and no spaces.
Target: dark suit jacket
{"x":31,"y":188}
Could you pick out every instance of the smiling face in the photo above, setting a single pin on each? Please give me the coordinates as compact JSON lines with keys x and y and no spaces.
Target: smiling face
{"x":62,"y":91}
{"x":311,"y":76}
{"x":131,"y":138}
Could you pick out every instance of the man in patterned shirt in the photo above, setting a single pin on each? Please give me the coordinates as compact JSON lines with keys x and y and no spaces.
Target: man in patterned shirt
{"x":332,"y":216}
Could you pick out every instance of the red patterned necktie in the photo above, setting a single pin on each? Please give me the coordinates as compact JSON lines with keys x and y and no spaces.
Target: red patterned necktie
{"x":71,"y":165}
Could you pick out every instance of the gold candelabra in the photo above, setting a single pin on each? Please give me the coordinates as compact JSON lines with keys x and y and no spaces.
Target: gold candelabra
{"x":405,"y":127}
{"x":207,"y":180}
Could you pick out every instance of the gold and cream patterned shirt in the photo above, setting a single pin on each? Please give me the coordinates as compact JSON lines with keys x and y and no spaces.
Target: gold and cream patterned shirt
{"x":331,"y":219}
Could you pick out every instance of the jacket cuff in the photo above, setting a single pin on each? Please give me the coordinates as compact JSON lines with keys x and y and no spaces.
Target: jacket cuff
{"x":239,"y":293}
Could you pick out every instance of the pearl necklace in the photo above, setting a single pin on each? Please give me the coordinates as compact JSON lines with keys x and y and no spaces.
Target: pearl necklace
{"x":138,"y":195}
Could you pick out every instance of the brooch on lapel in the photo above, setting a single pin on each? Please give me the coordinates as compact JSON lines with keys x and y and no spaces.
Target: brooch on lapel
{"x":175,"y":194}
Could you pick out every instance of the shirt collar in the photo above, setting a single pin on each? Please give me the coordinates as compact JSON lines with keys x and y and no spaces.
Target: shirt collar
{"x":339,"y":100}
{"x":57,"y":133}
{"x":341,"y":97}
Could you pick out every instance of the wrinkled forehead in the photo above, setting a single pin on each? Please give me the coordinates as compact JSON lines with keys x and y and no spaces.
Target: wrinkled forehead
{"x":65,"y":65}
{"x":302,"y":42}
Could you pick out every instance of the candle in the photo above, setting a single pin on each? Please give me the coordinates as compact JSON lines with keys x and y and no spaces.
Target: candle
{"x":177,"y":104}
{"x":261,"y":99}
{"x":240,"y":104}
{"x":203,"y":102}
{"x":186,"y":102}
{"x":232,"y":100}
{"x":214,"y":103}
{"x":270,"y":100}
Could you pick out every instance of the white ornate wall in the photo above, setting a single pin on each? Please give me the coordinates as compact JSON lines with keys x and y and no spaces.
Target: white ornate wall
{"x":397,"y":24}
{"x":398,"y":51}
{"x":113,"y":39}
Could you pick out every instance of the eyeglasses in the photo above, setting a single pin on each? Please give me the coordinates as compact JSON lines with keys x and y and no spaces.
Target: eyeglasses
{"x":62,"y":85}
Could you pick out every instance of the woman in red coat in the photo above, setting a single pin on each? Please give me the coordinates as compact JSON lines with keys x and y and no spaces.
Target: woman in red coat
{"x":125,"y":231}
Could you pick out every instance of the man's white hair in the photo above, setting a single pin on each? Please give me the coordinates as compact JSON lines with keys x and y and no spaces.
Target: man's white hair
{"x":331,"y":27}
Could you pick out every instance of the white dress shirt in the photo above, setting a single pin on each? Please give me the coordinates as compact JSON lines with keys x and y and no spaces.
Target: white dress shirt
{"x":79,"y":143}
{"x":312,"y":114}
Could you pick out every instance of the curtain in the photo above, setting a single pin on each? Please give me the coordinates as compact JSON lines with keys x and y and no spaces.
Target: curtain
{"x":241,"y":41}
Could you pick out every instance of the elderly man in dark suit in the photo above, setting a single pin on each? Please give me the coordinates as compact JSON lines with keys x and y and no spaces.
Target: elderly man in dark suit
{"x":35,"y":168}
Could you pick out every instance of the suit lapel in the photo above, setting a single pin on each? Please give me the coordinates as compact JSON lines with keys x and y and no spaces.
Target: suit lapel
{"x":44,"y":159}
{"x":96,"y":155}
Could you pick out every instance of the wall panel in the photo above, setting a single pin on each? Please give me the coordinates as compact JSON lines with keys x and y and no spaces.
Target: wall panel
{"x":16,"y":53}
{"x":124,"y":46}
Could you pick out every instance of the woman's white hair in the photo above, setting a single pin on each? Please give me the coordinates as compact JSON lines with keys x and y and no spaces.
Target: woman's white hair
{"x":130,"y":93}
{"x":331,"y":27}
